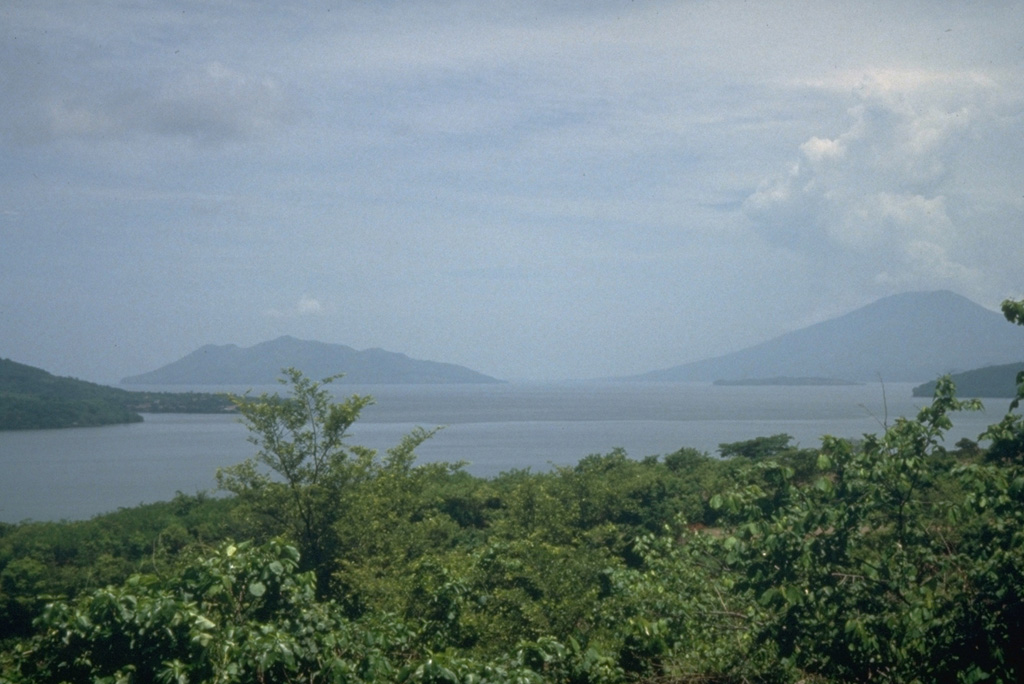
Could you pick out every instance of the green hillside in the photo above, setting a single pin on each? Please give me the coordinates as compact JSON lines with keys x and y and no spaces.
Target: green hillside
{"x":991,"y":381}
{"x":33,"y":399}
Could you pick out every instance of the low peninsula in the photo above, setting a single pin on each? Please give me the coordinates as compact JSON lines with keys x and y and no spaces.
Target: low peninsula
{"x":34,"y":399}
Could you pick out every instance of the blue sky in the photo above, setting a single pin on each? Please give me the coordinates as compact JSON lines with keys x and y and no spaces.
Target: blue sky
{"x":536,"y":190}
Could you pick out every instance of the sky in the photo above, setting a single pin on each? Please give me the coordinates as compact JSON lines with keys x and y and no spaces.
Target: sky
{"x":535,"y":190}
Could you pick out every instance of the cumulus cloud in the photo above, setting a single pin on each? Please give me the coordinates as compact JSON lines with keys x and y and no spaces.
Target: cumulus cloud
{"x":887,"y":192}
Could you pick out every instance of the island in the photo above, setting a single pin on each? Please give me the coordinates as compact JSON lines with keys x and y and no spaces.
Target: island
{"x":261,"y":364}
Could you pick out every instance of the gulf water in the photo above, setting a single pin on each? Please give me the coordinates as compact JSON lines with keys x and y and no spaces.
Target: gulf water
{"x":78,"y":473}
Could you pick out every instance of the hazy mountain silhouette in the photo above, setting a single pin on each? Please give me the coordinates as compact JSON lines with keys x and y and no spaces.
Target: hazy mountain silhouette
{"x":261,"y":364}
{"x":911,"y":337}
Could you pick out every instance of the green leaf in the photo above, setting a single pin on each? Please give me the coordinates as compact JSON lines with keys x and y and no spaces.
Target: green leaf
{"x":204,"y":623}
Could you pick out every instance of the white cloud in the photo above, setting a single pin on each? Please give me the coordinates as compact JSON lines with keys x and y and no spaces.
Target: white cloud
{"x":308,"y":306}
{"x":892,"y":192}
{"x":822,"y":149}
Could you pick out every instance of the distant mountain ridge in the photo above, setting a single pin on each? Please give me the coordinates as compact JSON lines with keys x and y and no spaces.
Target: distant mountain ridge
{"x":261,"y":364}
{"x":910,"y":337}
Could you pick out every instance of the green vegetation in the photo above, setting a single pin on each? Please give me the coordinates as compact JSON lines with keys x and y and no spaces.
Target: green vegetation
{"x":893,"y":558}
{"x":32,"y":399}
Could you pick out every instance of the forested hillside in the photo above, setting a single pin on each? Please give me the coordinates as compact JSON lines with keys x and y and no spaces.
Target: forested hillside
{"x":31,"y":398}
{"x":895,"y":558}
{"x":992,"y":381}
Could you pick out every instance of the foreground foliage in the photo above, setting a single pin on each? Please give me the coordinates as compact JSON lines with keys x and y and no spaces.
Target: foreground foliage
{"x":891,"y":558}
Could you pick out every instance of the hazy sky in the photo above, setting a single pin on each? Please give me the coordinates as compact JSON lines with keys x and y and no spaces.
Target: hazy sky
{"x":536,"y":190}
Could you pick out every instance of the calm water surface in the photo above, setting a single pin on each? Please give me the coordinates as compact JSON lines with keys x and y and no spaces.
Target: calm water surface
{"x":78,"y":473}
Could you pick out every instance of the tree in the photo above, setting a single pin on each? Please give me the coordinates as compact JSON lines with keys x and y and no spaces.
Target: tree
{"x":898,"y":564}
{"x":238,"y":613}
{"x":757,"y":448}
{"x":301,"y":440}
{"x":1008,"y":435}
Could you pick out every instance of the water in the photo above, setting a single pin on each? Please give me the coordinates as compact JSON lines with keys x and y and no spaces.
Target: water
{"x":78,"y":473}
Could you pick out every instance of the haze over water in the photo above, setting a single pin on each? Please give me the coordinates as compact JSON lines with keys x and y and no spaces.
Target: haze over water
{"x":77,"y":473}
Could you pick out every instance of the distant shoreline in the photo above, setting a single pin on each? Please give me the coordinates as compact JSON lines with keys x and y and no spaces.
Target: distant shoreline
{"x":785,"y":381}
